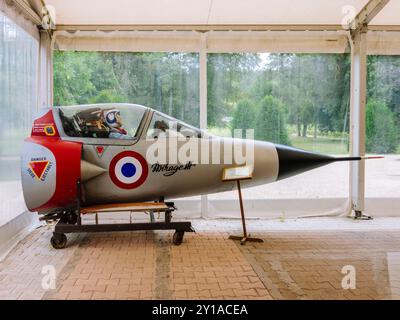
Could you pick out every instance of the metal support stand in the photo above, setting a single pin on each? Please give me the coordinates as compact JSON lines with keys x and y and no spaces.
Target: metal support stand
{"x":358,"y":28}
{"x":246,"y":237}
{"x":358,"y":215}
{"x":59,"y":239}
{"x":78,"y":201}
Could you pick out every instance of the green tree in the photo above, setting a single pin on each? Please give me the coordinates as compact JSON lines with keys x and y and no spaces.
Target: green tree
{"x":107,"y":96}
{"x":72,"y":74}
{"x":381,"y":130}
{"x":165,"y":81}
{"x":244,"y":116}
{"x":313,"y":87}
{"x":229,"y":77}
{"x":270,"y":123}
{"x":383,"y":82}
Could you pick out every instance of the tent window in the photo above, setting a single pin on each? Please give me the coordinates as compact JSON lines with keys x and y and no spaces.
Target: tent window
{"x":18,"y":101}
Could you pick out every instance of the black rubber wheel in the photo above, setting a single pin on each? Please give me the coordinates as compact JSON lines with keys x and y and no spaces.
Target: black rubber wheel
{"x":64,"y":218}
{"x":72,"y":218}
{"x":59,"y":241}
{"x":178,"y":237}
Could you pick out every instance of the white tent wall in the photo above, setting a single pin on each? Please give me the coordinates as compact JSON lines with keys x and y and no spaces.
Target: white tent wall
{"x":215,"y":41}
{"x":215,"y":27}
{"x":221,"y":42}
{"x":239,"y":41}
{"x":383,"y":43}
{"x":19,"y":52}
{"x":22,"y":15}
{"x":378,"y":42}
{"x":45,"y":81}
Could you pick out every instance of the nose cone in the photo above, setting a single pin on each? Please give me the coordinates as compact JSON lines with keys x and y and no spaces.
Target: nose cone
{"x":293,"y":161}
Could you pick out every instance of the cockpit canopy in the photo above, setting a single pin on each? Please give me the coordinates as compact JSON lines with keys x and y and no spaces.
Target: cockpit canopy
{"x":120,"y":121}
{"x":93,"y":121}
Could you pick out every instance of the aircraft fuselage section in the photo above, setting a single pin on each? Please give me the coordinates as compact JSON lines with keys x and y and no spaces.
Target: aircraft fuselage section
{"x":171,"y":179}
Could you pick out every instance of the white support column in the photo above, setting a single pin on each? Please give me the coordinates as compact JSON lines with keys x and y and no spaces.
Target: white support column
{"x":203,"y":102}
{"x":45,"y":96}
{"x":358,"y":84}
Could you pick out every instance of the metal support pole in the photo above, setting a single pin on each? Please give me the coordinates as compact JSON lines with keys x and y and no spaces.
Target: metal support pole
{"x":45,"y":73}
{"x":78,"y":201}
{"x":243,"y":239}
{"x":203,"y":103}
{"x":241,"y":209}
{"x":357,"y":118}
{"x":358,"y":84}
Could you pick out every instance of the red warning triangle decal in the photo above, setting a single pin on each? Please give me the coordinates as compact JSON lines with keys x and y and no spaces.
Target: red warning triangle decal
{"x":100,"y":150}
{"x":38,"y":167}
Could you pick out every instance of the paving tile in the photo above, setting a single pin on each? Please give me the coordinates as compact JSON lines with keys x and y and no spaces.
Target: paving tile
{"x":292,"y":263}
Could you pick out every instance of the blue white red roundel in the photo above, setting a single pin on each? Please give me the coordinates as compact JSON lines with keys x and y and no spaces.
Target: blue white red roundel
{"x":128,"y":170}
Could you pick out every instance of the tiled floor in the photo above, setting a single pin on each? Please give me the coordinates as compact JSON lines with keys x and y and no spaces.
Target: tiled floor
{"x":299,"y":259}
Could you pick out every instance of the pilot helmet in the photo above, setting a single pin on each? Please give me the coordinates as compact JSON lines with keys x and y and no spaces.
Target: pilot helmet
{"x":111,"y":117}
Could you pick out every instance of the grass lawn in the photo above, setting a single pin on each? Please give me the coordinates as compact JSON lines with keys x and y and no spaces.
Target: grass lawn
{"x":322,"y":144}
{"x":327,"y":145}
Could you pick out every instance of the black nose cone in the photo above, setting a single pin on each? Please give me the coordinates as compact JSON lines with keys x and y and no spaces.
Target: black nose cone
{"x":293,"y":161}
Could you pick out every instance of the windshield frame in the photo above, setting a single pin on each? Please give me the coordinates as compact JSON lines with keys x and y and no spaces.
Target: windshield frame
{"x":172,"y":119}
{"x":103,"y":141}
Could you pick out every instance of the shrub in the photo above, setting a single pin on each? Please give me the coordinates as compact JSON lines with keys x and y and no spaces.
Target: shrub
{"x":244,"y":116}
{"x":381,"y":131}
{"x":270,"y":122}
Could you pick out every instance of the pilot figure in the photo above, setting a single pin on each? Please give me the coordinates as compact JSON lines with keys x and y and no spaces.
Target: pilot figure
{"x":114,"y":121}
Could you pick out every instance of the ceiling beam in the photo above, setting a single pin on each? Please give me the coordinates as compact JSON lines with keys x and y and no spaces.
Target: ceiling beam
{"x":37,"y":6}
{"x":26,"y":10}
{"x":201,"y":28}
{"x":385,"y":28}
{"x":366,"y":14}
{"x":205,"y":28}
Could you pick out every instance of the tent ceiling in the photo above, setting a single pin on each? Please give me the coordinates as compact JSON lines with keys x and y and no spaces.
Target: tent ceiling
{"x":390,"y":14}
{"x":214,"y":12}
{"x":87,"y":18}
{"x":217,"y":13}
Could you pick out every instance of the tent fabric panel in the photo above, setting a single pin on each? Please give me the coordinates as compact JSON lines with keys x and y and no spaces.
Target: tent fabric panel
{"x":127,"y":41}
{"x":389,"y":15}
{"x":191,"y":41}
{"x":19,"y":18}
{"x":73,"y":12}
{"x":383,"y":43}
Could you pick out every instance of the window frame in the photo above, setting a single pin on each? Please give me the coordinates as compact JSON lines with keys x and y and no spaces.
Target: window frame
{"x":103,"y":141}
{"x":200,"y":133}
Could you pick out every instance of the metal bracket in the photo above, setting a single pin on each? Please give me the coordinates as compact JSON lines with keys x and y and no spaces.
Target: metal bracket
{"x":355,"y":32}
{"x":358,"y":215}
{"x":78,"y":200}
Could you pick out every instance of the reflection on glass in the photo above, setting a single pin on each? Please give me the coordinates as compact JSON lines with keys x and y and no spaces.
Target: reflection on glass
{"x":164,"y":126}
{"x":18,"y":85}
{"x":167,"y":82}
{"x":114,"y":121}
{"x":295,"y":99}
{"x":382,"y":122}
{"x":300,"y":100}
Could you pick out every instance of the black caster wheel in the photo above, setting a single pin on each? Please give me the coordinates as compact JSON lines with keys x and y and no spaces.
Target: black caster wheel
{"x":64,"y":218}
{"x":59,"y":241}
{"x":72,"y":218}
{"x":178,"y":237}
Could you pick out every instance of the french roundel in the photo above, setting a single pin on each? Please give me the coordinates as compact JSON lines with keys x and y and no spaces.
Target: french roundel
{"x":128,"y":170}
